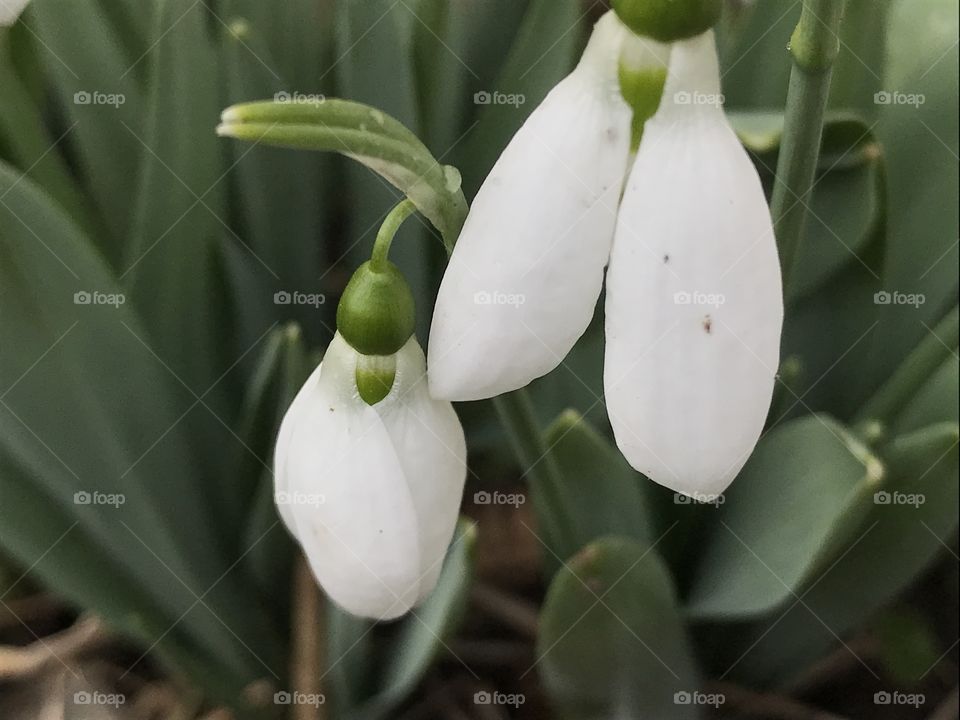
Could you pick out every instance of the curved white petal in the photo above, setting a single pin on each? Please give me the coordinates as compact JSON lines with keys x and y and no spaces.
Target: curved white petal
{"x":694,"y":303}
{"x":290,"y":420}
{"x":10,"y":10}
{"x":353,"y":514}
{"x":429,"y":441}
{"x":527,"y":270}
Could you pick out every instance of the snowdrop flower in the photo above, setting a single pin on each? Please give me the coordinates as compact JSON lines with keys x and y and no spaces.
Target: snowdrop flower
{"x":371,"y":493}
{"x":527,"y":269}
{"x":10,"y":10}
{"x":694,"y":304}
{"x":369,"y":469}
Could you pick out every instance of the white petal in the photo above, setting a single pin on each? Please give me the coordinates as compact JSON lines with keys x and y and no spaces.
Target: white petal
{"x":290,"y":420}
{"x":10,"y":10}
{"x":527,"y":270}
{"x":353,"y":512}
{"x":430,"y":444}
{"x":694,"y":303}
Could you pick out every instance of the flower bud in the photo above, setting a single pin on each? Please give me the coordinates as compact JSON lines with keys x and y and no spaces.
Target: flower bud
{"x":668,"y":20}
{"x":376,"y":312}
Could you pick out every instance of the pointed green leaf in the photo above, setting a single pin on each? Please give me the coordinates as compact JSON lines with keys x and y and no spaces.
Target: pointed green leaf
{"x":611,"y":641}
{"x":602,"y":493}
{"x":808,"y":485}
{"x":98,"y":91}
{"x":906,"y":528}
{"x":918,"y":129}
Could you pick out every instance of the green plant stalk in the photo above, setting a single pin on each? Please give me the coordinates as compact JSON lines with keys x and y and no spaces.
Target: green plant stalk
{"x":391,"y":224}
{"x":814,"y":45}
{"x":914,"y":371}
{"x":515,"y":410}
{"x":365,"y":134}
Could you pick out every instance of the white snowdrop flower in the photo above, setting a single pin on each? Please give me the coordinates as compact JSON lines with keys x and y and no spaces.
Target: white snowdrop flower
{"x":526,"y":273}
{"x":694,"y":305}
{"x":10,"y":10}
{"x":371,"y":492}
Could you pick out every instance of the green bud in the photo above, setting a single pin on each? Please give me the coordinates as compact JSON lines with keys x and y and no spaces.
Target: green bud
{"x":376,"y":312}
{"x":668,"y":20}
{"x":375,"y":375}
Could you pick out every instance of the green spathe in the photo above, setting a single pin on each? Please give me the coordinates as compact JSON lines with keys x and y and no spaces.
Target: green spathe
{"x":668,"y":20}
{"x":376,"y":312}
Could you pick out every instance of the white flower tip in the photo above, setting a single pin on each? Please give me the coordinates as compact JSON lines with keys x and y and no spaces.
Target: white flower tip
{"x":10,"y":10}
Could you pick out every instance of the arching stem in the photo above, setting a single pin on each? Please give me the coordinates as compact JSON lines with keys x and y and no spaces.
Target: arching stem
{"x":391,"y":224}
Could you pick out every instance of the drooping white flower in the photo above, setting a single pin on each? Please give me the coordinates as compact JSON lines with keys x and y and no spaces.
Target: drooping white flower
{"x":526,"y":273}
{"x":371,"y":493}
{"x":694,"y":304}
{"x":10,"y":10}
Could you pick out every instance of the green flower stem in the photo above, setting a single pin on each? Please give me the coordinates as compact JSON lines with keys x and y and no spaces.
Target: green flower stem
{"x":815,"y":44}
{"x":914,"y":372}
{"x":515,"y":410}
{"x":364,"y":134}
{"x":389,"y":228}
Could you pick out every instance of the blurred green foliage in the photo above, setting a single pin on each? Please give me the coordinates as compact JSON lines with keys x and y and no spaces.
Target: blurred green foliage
{"x":146,"y":354}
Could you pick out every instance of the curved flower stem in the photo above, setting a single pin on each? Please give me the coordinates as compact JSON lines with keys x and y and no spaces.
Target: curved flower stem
{"x":515,"y":410}
{"x":815,"y":44}
{"x":391,"y":224}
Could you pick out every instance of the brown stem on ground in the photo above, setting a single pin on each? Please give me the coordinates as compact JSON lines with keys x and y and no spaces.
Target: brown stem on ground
{"x":511,"y":611}
{"x":307,"y":637}
{"x":949,"y":708}
{"x":768,"y":706}
{"x":842,"y":662}
{"x":19,"y":662}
